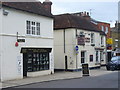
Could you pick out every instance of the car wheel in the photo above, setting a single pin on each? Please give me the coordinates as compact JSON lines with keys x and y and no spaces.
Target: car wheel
{"x":112,"y":68}
{"x":108,"y":68}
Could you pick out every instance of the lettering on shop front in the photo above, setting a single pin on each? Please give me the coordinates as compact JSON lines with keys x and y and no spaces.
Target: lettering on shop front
{"x":35,"y":50}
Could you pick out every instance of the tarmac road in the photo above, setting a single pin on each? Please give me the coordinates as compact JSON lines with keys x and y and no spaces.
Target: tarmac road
{"x":103,"y":81}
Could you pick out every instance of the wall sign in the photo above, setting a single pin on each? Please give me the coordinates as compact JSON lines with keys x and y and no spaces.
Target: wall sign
{"x":81,"y":40}
{"x":35,"y":50}
{"x":20,"y":40}
{"x":19,"y":64}
{"x":77,"y":49}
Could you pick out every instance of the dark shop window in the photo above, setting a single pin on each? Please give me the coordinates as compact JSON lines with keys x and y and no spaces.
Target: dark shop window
{"x":38,"y":62}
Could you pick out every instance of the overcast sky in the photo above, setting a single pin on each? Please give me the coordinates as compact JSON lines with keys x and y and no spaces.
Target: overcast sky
{"x":101,"y":10}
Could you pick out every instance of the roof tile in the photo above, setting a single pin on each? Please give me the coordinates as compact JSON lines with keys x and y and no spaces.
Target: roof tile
{"x":32,"y":7}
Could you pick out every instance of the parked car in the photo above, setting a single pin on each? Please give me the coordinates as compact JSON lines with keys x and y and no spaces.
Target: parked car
{"x":114,"y":63}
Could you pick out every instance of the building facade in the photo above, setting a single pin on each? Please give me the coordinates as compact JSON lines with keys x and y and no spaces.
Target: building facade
{"x":77,"y":41}
{"x":115,"y":33}
{"x":26,"y":40}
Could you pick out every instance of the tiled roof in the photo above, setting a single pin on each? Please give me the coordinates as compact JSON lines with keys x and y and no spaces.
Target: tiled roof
{"x":31,"y":7}
{"x":65,"y":21}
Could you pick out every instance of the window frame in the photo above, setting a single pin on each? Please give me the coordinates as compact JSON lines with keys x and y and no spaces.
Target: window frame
{"x":97,"y":56}
{"x":83,"y":58}
{"x":33,"y":28}
{"x":38,"y":63}
{"x":92,"y":38}
{"x":102,"y":28}
{"x":102,"y":40}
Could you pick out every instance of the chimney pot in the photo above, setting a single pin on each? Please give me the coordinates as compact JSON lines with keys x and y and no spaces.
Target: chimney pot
{"x":87,"y":13}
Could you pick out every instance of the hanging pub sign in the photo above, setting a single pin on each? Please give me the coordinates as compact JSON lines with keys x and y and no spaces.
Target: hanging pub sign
{"x":81,"y":40}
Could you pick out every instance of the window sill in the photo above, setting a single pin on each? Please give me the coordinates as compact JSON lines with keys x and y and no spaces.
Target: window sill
{"x":33,"y":35}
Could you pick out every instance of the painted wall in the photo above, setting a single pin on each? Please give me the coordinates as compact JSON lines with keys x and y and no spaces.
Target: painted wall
{"x":73,"y":59}
{"x":59,"y":49}
{"x":15,"y":22}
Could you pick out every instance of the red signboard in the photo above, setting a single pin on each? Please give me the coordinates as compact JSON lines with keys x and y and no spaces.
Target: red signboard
{"x":81,"y":40}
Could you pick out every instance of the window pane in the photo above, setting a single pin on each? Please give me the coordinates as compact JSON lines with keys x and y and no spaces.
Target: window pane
{"x":96,"y":56}
{"x":82,"y":57}
{"x":38,"y":28}
{"x":28,"y":27}
{"x":92,"y":37}
{"x":91,"y":58}
{"x":32,"y":28}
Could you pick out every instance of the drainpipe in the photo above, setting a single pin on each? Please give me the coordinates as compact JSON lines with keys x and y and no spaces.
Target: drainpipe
{"x":76,"y":53}
{"x":76,"y":62}
{"x":64,"y":40}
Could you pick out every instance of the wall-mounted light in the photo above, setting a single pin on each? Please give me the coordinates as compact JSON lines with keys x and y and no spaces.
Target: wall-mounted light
{"x":5,"y":12}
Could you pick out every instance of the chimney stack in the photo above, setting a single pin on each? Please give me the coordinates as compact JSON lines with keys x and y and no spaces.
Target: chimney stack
{"x":86,"y":15}
{"x":47,"y":4}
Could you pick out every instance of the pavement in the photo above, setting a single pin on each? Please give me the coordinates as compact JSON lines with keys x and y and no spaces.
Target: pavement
{"x":55,"y":76}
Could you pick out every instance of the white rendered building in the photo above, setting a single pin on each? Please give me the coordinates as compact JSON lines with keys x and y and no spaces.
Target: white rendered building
{"x":77,"y":41}
{"x":26,"y":40}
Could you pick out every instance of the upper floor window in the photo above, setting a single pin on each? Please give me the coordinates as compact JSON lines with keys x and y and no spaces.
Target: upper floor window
{"x":106,"y":31}
{"x":83,"y":55}
{"x":102,"y":40}
{"x":33,"y":28}
{"x":92,"y":38}
{"x":96,"y":56}
{"x":102,"y":28}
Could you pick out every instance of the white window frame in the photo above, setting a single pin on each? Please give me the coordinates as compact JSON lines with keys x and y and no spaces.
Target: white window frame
{"x":97,"y":56}
{"x":101,"y":56}
{"x":102,"y":40}
{"x":83,"y":57}
{"x":102,"y":28}
{"x":106,"y":30}
{"x":92,"y":38}
{"x":33,"y":29}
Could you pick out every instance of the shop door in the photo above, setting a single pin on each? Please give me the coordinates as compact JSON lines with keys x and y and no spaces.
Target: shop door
{"x":66,"y":67}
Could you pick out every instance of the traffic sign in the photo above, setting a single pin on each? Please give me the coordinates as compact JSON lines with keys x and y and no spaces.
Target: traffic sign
{"x":76,"y":48}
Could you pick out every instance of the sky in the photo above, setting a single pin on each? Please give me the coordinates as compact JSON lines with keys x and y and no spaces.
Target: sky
{"x":101,"y":10}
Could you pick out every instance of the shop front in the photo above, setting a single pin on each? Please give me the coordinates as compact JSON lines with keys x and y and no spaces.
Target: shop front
{"x":35,"y":60}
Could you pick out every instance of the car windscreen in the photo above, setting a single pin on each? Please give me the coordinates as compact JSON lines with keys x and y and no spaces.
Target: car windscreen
{"x":115,"y":58}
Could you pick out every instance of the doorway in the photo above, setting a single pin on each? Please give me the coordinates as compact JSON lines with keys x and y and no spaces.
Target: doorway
{"x":66,"y":67}
{"x":24,"y":65}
